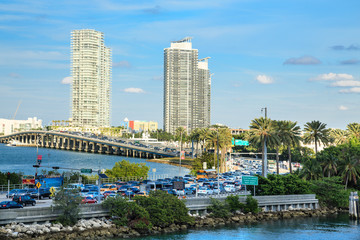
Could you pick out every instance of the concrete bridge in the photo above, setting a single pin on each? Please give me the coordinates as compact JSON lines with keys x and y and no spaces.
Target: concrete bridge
{"x":65,"y":141}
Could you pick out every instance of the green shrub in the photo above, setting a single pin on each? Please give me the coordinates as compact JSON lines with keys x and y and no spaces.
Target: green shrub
{"x":251,"y":205}
{"x":164,"y":209}
{"x":331,"y":192}
{"x":219,"y":209}
{"x":68,"y":201}
{"x":233,"y":204}
{"x":126,"y":213}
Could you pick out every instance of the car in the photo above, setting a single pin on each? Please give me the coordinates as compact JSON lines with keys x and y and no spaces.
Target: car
{"x":87,"y":200}
{"x":12,"y":193}
{"x":41,"y":193}
{"x":230,"y":188}
{"x":10,"y":204}
{"x":205,"y":191}
{"x":108,"y":187}
{"x":189,"y":190}
{"x":107,"y":193}
{"x":24,"y":200}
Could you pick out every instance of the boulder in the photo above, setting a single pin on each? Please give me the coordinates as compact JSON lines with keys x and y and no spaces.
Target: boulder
{"x":54,"y":229}
{"x":46,"y":230}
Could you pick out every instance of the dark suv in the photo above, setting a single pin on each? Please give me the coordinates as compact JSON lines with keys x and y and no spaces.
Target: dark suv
{"x":41,"y":193}
{"x":24,"y":200}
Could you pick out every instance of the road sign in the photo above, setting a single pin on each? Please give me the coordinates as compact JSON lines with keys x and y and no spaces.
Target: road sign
{"x":38,"y":185}
{"x":102,"y":175}
{"x":239,"y":142}
{"x":85,"y":170}
{"x":249,"y":180}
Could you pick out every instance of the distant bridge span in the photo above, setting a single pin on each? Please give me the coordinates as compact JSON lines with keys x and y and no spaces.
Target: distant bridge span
{"x":67,"y":141}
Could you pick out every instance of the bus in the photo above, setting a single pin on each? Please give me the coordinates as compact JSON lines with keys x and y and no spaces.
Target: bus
{"x":208,"y":173}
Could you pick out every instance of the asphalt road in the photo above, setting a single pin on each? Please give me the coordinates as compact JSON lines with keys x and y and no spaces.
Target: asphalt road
{"x":39,"y":203}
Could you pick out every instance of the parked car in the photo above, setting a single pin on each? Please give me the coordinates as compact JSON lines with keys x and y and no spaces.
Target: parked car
{"x":230,"y":188}
{"x":24,"y":200}
{"x":87,"y":200}
{"x":10,"y":204}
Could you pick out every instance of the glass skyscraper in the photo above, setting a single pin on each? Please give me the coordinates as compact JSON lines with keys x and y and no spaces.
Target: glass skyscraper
{"x":91,"y":74}
{"x":186,"y":87}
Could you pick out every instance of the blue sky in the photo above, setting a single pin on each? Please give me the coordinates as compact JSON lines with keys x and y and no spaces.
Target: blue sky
{"x":298,"y":58}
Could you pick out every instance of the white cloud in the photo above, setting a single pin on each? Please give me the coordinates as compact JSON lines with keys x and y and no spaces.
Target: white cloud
{"x":351,"y":90}
{"x":66,"y":80}
{"x":343,"y":108}
{"x":333,"y":77}
{"x":134,"y":90}
{"x":263,"y":79}
{"x":346,"y":83}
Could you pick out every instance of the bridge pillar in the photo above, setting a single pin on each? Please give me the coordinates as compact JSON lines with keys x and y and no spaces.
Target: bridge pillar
{"x":86,"y":146}
{"x":80,"y":148}
{"x":53,"y":142}
{"x":68,"y":141}
{"x":147,"y":155}
{"x":93,"y":146}
{"x":58,"y":142}
{"x":100,"y":148}
{"x":127,"y":152}
{"x":73,"y":145}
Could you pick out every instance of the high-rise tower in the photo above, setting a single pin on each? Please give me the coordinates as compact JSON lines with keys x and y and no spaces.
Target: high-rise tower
{"x":91,"y":74}
{"x":185,"y":90}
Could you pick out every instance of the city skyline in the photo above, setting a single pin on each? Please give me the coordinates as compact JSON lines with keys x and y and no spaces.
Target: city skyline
{"x":300,"y":59}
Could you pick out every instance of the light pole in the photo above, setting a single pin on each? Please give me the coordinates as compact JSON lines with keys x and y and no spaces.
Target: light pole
{"x":180,"y":153}
{"x":217,"y":143}
{"x":265,"y":148}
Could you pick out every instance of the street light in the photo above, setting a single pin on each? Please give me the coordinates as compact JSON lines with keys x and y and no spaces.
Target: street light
{"x":217,"y":143}
{"x":265,"y":148}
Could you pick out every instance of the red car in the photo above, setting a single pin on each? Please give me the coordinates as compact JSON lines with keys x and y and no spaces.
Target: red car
{"x":106,"y":193}
{"x":88,"y":200}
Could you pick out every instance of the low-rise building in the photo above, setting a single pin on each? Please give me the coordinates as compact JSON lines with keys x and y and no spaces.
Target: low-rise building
{"x":139,"y":126}
{"x":9,"y":126}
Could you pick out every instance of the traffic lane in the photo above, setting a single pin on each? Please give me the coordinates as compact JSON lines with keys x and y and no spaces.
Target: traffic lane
{"x":39,"y":203}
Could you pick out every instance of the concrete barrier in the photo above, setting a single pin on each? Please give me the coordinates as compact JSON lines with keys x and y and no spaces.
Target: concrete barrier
{"x":268,"y":203}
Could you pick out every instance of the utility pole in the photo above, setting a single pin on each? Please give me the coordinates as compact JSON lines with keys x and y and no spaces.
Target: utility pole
{"x":180,"y":152}
{"x":217,"y":143}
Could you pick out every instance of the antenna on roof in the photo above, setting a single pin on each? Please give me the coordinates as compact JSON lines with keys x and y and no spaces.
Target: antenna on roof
{"x":186,"y":39}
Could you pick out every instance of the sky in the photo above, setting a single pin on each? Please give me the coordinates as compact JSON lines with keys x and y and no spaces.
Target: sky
{"x":300,"y":59}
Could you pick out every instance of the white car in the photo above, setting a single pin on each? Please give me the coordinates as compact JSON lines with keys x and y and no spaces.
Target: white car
{"x":230,"y":188}
{"x":205,"y":191}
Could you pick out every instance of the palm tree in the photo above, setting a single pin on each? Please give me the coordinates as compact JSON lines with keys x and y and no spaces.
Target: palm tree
{"x":330,"y":165}
{"x":339,"y":136}
{"x":181,"y":134}
{"x":291,"y":137}
{"x":354,"y":130}
{"x":311,"y":170}
{"x":279,"y":129}
{"x":204,"y":135}
{"x":225,"y":143}
{"x":350,"y":169}
{"x":262,"y":132}
{"x":316,"y":132}
{"x":195,"y":137}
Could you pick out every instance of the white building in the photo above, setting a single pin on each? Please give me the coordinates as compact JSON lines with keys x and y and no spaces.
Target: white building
{"x":186,"y":87}
{"x":8,"y":126}
{"x":91,"y":74}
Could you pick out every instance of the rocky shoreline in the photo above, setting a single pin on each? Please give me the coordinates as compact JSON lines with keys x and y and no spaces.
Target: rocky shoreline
{"x":105,"y":229}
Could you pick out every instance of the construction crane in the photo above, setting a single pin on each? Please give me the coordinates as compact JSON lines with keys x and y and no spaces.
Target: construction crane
{"x":16,"y":110}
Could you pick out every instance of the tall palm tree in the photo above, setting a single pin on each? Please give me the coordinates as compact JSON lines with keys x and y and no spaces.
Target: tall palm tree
{"x":280,"y":129}
{"x":204,"y":135}
{"x":330,"y":165}
{"x":225,"y":143}
{"x":181,"y":134}
{"x":354,"y":130}
{"x":195,"y":137}
{"x":350,"y":169}
{"x":339,"y":136}
{"x":291,"y":137}
{"x":262,"y":132}
{"x":316,"y":132}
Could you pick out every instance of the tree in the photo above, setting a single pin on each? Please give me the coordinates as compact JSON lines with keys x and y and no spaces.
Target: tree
{"x":204,"y":134}
{"x":350,"y":167}
{"x":127,"y":169}
{"x":261,"y":129}
{"x":291,"y":137}
{"x":195,"y":137}
{"x":329,"y":160}
{"x":311,"y":170}
{"x":339,"y":136}
{"x":354,"y":130}
{"x":180,"y":135}
{"x":68,"y":202}
{"x":316,"y":132}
